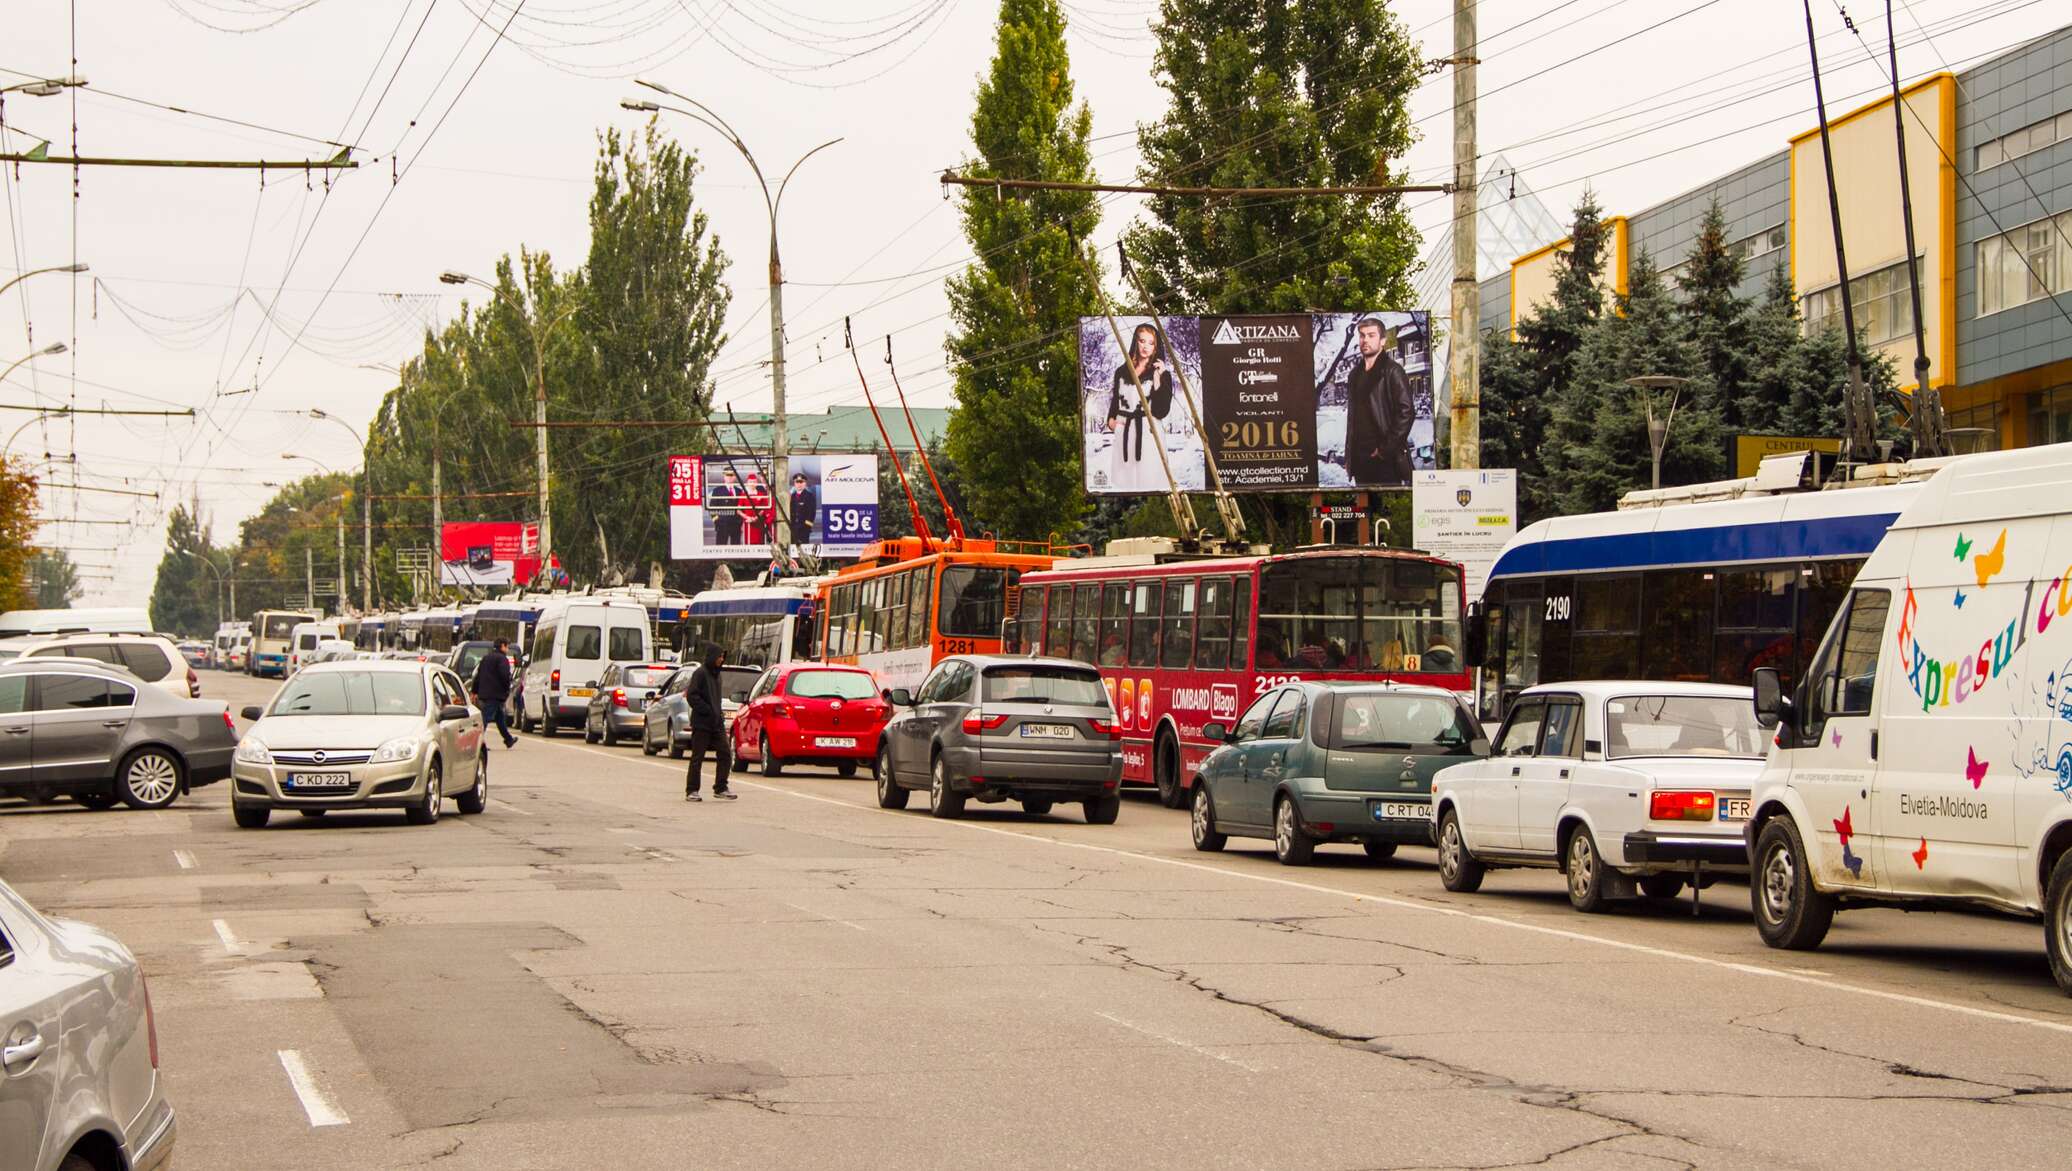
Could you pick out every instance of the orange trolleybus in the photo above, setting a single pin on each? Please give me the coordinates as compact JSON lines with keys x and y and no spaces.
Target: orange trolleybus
{"x":912,"y":600}
{"x":1184,"y":640}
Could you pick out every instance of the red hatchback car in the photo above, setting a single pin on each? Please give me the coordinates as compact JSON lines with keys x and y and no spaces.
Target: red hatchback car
{"x":811,"y":713}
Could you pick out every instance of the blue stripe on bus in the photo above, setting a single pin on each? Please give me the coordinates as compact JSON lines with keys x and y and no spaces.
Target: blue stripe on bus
{"x":749,"y":606}
{"x":1812,"y":539}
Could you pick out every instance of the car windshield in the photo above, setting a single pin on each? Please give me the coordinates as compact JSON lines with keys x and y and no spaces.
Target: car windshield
{"x":351,"y":693}
{"x":1681,"y":725}
{"x":832,"y":685}
{"x":1404,"y":722}
{"x":645,"y":676}
{"x":1044,"y":685}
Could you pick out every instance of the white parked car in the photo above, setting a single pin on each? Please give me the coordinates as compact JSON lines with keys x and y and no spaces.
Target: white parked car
{"x":150,"y":657}
{"x":1626,"y":787}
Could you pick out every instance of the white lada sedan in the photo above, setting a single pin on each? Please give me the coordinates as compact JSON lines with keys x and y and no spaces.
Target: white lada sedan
{"x":1626,"y":787}
{"x":359,"y":735}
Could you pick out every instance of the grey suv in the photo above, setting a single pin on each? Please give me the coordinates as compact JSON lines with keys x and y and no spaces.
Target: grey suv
{"x":999,"y":728}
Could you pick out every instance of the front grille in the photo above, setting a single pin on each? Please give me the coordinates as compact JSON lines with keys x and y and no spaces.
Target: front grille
{"x":329,"y":758}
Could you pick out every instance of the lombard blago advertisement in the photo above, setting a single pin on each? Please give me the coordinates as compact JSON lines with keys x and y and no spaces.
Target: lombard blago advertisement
{"x":725,"y":508}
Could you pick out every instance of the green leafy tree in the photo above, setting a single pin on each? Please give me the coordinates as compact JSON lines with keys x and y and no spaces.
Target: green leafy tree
{"x":1598,"y":448}
{"x":184,"y":598}
{"x":1284,"y":94}
{"x":1014,"y":347}
{"x":55,"y":580}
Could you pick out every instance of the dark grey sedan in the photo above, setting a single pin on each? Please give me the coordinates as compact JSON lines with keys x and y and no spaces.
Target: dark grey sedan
{"x":102,"y":735}
{"x":997,"y":728}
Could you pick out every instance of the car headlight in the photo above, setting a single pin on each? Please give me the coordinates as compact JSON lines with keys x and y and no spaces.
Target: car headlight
{"x":250,"y":751}
{"x":400,"y":749}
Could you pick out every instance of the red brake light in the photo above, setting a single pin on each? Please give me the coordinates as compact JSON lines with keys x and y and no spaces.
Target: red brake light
{"x":1681,"y":806}
{"x":554,"y":680}
{"x":1108,"y":728}
{"x":780,"y":711}
{"x":618,"y":697}
{"x":976,"y":721}
{"x":228,"y":722}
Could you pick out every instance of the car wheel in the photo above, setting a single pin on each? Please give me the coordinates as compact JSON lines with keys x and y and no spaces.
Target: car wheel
{"x":1292,"y":845}
{"x":647,"y":742}
{"x":1662,"y":886}
{"x":1459,"y":871}
{"x":1790,"y":913}
{"x":1166,"y":762}
{"x":1206,"y":839}
{"x":1103,"y":810}
{"x":547,"y":727}
{"x":890,"y":795}
{"x":1379,"y":851}
{"x":611,"y":735}
{"x":426,"y":812}
{"x":1586,"y":872}
{"x":1037,"y":806}
{"x":589,"y":737}
{"x":675,"y":745}
{"x":2057,"y":920}
{"x":943,"y":801}
{"x":250,"y":816}
{"x":148,"y":779}
{"x":766,"y":762}
{"x":96,"y":800}
{"x":846,"y":768}
{"x":475,"y":800}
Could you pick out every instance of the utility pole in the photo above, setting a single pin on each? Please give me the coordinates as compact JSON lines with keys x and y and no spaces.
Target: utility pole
{"x":344,"y":594}
{"x":438,"y":528}
{"x":367,"y":545}
{"x":309,"y":571}
{"x":1464,"y":349}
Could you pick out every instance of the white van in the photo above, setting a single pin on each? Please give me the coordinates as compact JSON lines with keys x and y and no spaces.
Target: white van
{"x":1926,"y":756}
{"x":575,"y":640}
{"x":304,"y":640}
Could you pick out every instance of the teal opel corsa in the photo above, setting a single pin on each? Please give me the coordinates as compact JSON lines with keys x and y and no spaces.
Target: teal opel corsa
{"x":1310,"y":763}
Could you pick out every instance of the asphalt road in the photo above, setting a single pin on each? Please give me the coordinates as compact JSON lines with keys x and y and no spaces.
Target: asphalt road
{"x":593,"y":973}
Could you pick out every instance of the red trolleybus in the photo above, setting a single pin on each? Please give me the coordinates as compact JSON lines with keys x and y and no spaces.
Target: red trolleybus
{"x":1181,"y":641}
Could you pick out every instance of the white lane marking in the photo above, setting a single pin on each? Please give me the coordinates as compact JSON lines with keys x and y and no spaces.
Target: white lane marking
{"x":1171,"y":1040}
{"x":507,"y":807}
{"x":1796,"y":977}
{"x":231,"y":943}
{"x":818,"y":917}
{"x":185,"y":859}
{"x":320,"y":1107}
{"x":623,"y":829}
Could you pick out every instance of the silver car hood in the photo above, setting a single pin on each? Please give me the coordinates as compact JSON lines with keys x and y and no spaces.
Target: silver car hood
{"x":299,"y":732}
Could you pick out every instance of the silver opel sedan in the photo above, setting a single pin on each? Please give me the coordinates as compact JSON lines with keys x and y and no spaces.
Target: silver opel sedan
{"x":361,"y":735}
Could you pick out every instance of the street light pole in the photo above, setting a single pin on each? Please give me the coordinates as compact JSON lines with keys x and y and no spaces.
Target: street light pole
{"x":20,"y":277}
{"x":780,"y":443}
{"x":1658,"y":428}
{"x":366,"y":516}
{"x":47,"y":351}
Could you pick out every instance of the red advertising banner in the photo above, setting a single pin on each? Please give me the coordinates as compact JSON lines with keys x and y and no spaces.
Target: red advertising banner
{"x":686,"y":481}
{"x":484,"y":553}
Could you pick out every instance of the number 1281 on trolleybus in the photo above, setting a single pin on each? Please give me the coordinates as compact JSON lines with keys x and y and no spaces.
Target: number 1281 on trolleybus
{"x":1182,"y":641}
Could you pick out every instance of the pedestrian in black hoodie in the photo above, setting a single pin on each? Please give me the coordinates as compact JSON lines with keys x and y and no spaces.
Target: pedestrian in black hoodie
{"x":708,"y":725}
{"x":492,"y":687}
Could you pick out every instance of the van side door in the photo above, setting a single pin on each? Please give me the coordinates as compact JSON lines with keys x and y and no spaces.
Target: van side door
{"x":1836,"y":743}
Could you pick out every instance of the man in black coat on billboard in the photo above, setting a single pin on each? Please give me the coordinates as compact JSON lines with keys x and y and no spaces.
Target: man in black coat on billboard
{"x":805,"y":509}
{"x":708,"y":725}
{"x":1378,"y":412}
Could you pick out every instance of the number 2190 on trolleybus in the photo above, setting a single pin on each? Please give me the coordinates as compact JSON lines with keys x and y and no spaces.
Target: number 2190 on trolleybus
{"x":1181,"y":641}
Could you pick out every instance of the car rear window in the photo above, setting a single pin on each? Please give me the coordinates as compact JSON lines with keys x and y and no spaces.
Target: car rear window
{"x":351,"y":693}
{"x":831,"y":685}
{"x":145,"y":662}
{"x":646,"y":676}
{"x":1681,"y":725}
{"x":1402,"y":723}
{"x":585,"y":642}
{"x":1044,"y":685}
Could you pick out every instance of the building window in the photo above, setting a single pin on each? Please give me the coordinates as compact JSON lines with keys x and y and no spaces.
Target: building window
{"x":2027,"y":264}
{"x":2050,"y":416}
{"x":2027,"y":140}
{"x":1983,"y":418}
{"x":1746,"y":249}
{"x":1884,"y":306}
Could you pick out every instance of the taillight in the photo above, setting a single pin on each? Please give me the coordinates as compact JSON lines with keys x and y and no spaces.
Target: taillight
{"x":618,"y":697}
{"x":1108,"y":728}
{"x":780,"y":711}
{"x":150,"y":1018}
{"x":193,"y":684}
{"x":228,"y":722}
{"x":1681,"y":806}
{"x":976,"y":721}
{"x":554,"y":680}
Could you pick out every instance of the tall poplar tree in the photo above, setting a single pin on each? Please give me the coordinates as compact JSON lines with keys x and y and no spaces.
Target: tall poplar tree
{"x":1015,"y":435}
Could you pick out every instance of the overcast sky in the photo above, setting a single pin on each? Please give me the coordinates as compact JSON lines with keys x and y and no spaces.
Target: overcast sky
{"x":253,"y":305}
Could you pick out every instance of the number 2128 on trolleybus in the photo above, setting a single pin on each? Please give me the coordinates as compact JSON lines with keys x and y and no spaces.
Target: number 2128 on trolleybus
{"x":1182,"y":641}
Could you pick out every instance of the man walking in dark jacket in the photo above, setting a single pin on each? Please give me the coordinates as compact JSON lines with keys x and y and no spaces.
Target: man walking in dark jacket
{"x":492,"y":686}
{"x":708,"y":726}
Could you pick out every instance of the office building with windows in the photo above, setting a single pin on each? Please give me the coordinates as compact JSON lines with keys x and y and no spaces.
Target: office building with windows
{"x":1989,"y":158}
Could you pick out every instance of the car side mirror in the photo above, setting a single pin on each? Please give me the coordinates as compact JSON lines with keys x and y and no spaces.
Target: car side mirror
{"x":252,"y":712}
{"x":899,"y":697}
{"x":452,"y":711}
{"x":1772,"y":706}
{"x":1216,"y":731}
{"x":1476,"y":648}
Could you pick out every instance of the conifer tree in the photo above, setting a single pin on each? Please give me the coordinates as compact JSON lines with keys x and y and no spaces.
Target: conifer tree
{"x":1719,"y":316}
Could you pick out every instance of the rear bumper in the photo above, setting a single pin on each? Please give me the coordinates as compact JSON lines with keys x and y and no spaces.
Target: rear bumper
{"x":1646,"y":847}
{"x":209,"y":765}
{"x":801,"y":746}
{"x":1080,"y":773}
{"x":1351,"y":816}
